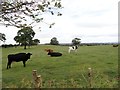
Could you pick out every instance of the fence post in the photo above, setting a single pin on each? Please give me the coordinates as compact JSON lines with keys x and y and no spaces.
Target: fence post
{"x":90,"y":77}
{"x":37,"y":79}
{"x":34,"y":78}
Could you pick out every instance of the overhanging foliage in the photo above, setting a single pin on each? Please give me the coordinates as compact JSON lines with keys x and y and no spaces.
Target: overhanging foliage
{"x":20,"y":13}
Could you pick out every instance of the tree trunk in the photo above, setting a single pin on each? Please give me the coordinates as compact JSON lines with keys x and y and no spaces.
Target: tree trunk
{"x":25,"y":46}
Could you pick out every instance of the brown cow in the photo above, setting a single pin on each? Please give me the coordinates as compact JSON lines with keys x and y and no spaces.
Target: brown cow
{"x":48,"y":50}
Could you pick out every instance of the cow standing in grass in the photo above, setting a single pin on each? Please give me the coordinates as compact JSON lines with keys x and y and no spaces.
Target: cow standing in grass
{"x":73,"y":48}
{"x":17,"y":58}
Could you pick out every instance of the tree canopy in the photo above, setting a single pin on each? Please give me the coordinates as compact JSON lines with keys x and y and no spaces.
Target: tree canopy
{"x":35,"y":42}
{"x":54,"y":41}
{"x":19,"y":12}
{"x":25,"y":36}
{"x":76,"y":41}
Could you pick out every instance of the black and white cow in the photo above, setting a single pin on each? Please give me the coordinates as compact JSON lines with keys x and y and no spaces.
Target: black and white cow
{"x":73,"y":48}
{"x":17,"y":58}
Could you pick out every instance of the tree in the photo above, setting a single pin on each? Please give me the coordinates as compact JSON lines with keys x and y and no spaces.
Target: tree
{"x":20,"y":13}
{"x":54,"y":41}
{"x":76,"y":41}
{"x":25,"y":36}
{"x":35,"y":42}
{"x":18,"y":39}
{"x":2,"y":37}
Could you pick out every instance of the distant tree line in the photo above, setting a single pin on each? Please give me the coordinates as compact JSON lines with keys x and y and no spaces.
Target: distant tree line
{"x":90,"y":44}
{"x":9,"y":45}
{"x":14,"y":45}
{"x":64,"y":44}
{"x":95,"y":44}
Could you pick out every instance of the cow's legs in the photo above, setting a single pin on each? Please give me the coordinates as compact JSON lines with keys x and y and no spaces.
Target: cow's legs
{"x":76,"y":50}
{"x":24,"y":63}
{"x":69,"y":50}
{"x":9,"y":64}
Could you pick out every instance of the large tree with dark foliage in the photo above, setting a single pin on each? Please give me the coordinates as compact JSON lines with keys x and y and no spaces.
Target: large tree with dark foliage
{"x":54,"y":41}
{"x":25,"y":36}
{"x":35,"y":42}
{"x":76,"y":41}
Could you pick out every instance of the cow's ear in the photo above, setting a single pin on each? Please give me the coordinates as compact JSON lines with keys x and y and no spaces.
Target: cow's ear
{"x":29,"y":53}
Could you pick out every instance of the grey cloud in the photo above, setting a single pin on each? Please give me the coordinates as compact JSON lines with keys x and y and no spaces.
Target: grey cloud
{"x":92,"y":13}
{"x":104,"y":35}
{"x":96,"y":12}
{"x":94,"y":25}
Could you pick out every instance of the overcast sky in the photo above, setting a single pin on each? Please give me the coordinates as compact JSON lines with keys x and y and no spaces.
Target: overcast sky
{"x":89,"y":20}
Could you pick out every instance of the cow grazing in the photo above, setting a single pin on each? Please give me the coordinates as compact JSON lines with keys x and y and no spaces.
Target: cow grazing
{"x":73,"y":48}
{"x":17,"y":58}
{"x":54,"y":54}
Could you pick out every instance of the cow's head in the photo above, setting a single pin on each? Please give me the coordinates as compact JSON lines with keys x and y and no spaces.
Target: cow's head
{"x":28,"y":55}
{"x":48,"y":50}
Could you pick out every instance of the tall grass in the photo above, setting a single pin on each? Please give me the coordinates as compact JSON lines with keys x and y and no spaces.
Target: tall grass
{"x":97,"y":81}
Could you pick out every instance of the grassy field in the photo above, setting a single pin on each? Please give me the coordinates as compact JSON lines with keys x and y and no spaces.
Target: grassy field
{"x":69,"y":70}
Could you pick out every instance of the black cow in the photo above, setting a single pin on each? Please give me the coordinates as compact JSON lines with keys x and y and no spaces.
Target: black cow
{"x":115,"y":45}
{"x":17,"y":58}
{"x":54,"y":54}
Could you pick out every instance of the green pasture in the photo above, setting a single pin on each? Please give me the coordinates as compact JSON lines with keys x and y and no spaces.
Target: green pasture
{"x":69,"y":70}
